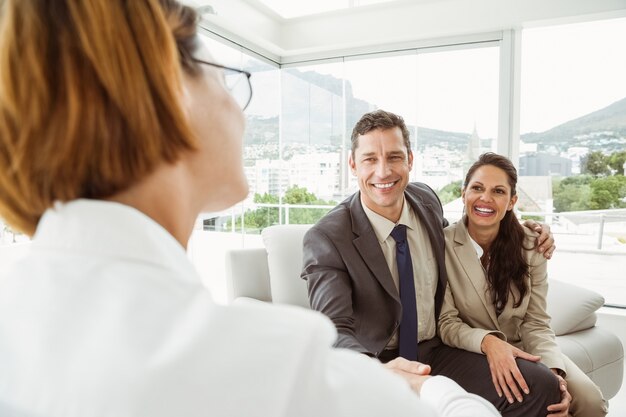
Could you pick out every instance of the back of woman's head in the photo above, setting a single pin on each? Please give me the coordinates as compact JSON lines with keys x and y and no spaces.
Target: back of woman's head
{"x":90,"y":98}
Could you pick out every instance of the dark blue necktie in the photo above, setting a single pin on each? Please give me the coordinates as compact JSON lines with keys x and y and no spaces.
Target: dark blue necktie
{"x":408,"y":325}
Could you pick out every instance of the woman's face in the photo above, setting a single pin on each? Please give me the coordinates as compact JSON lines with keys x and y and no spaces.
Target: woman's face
{"x":487,"y":197}
{"x":219,"y":125}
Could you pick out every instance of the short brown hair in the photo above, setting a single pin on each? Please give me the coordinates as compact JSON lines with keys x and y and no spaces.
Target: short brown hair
{"x":90,"y":98}
{"x":379,"y":119}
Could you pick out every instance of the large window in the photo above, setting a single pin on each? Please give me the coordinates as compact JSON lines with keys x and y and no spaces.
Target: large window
{"x":300,"y":120}
{"x":573,"y":148}
{"x":571,"y":155}
{"x":457,"y":114}
{"x":312,"y":130}
{"x":298,"y":136}
{"x":449,"y":100}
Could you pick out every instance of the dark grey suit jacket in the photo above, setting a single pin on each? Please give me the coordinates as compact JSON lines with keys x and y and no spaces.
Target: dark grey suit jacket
{"x":347,"y":275}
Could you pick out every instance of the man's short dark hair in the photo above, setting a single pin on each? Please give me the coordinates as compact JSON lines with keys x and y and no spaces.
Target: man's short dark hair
{"x":379,"y":119}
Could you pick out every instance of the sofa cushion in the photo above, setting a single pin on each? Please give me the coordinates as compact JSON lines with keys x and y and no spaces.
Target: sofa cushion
{"x":284,"y":259}
{"x":572,"y":308}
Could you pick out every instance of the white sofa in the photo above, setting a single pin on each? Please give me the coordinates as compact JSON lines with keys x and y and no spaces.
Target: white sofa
{"x":272,"y":274}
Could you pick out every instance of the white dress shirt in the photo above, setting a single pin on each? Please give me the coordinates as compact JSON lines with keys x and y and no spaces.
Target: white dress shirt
{"x":425,"y":270}
{"x":107,"y":317}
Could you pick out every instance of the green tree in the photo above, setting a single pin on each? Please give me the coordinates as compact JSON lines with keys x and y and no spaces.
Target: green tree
{"x":300,"y":195}
{"x":572,"y":193}
{"x":595,"y":163}
{"x":608,"y":192}
{"x":617,"y":161}
{"x":450,"y":192}
{"x":263,"y":216}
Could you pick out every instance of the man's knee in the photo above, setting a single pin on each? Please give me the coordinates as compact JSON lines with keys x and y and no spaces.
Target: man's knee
{"x":541,"y":381}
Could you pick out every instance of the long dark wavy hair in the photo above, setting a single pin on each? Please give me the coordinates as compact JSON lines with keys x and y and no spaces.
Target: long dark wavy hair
{"x":506,"y":266}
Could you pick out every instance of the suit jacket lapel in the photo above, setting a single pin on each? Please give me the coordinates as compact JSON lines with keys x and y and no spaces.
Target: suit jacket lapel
{"x":473,"y":269}
{"x":368,"y":247}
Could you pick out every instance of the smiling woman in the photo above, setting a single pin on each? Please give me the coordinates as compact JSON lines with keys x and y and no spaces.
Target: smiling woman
{"x":495,"y":301}
{"x":489,"y":195}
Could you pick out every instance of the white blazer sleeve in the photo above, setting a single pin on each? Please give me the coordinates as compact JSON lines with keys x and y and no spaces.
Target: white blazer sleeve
{"x":361,"y":386}
{"x":449,"y":399}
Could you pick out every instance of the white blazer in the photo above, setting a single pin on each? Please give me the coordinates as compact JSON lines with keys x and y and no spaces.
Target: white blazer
{"x":107,"y":317}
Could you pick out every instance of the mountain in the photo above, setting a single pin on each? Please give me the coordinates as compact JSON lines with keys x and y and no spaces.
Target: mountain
{"x":603,"y":129}
{"x":311,"y":104}
{"x":313,"y":111}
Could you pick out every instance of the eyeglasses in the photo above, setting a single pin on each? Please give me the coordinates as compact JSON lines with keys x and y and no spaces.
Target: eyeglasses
{"x":237,"y":82}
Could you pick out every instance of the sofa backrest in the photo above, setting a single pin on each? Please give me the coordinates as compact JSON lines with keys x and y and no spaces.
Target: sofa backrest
{"x":273,"y":274}
{"x":572,"y":308}
{"x":283,"y":244}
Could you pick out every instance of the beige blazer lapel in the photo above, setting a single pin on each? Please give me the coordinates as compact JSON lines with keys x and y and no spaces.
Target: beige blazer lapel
{"x":467,"y":258}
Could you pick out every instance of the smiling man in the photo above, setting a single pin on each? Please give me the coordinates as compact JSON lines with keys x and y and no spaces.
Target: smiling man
{"x":375,"y":264}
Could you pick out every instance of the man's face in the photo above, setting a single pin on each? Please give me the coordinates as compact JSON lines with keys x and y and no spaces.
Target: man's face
{"x":382,"y":164}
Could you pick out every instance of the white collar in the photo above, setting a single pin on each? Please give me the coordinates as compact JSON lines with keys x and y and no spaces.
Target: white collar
{"x":108,"y":229}
{"x":479,"y":250}
{"x":383,"y":226}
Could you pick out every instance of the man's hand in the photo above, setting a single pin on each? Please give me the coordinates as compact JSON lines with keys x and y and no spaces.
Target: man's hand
{"x":405,"y":365}
{"x":561,"y":409}
{"x":545,"y":240}
{"x":505,"y":374}
{"x":415,"y":373}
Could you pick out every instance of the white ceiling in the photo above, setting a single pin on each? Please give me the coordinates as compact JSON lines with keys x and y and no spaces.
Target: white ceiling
{"x":290,"y":9}
{"x":397,"y":24}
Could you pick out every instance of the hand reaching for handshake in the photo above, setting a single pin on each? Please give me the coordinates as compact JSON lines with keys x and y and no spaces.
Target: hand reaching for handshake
{"x":415,"y":373}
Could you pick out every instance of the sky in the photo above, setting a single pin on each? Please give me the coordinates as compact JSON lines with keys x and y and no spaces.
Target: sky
{"x":571,"y":70}
{"x":567,"y":71}
{"x":451,"y":90}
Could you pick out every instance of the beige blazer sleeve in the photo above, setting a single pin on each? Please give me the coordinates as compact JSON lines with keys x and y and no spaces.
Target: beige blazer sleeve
{"x":468,"y":314}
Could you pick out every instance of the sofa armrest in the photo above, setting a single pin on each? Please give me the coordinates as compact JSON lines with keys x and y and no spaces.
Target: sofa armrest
{"x":247,"y":274}
{"x":599,"y":354}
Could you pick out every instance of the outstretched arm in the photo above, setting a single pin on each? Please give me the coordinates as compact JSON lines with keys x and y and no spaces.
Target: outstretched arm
{"x":330,"y":287}
{"x":365,"y":389}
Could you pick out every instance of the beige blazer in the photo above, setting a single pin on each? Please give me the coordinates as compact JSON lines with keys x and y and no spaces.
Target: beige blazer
{"x":468,"y":313}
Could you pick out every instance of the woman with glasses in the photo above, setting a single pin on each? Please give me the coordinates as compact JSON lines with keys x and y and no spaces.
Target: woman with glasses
{"x":116,"y":131}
